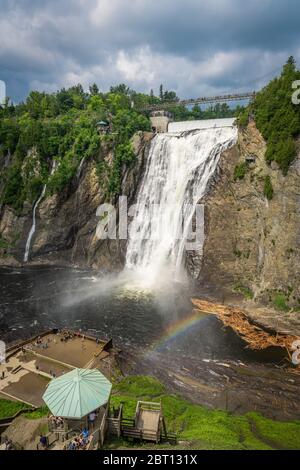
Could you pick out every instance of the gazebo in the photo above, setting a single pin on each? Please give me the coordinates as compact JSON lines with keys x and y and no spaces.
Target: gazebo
{"x":73,"y":396}
{"x":103,"y":127}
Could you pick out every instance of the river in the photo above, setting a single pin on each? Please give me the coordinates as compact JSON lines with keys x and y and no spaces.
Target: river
{"x":193,"y":355}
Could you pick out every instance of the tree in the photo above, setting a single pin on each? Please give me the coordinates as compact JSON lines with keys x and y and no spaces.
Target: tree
{"x":161,"y":92}
{"x":120,"y":89}
{"x":94,"y":90}
{"x":170,"y":96}
{"x":277,"y":118}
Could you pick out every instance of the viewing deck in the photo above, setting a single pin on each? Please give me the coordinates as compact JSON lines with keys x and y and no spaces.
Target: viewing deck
{"x":31,"y":364}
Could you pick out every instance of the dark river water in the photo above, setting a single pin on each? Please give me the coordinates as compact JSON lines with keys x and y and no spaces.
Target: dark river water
{"x":192,"y":354}
{"x":33,"y":299}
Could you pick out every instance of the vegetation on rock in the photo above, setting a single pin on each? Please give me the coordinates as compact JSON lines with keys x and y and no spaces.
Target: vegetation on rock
{"x":268,"y":188}
{"x":277,"y":118}
{"x":240,"y":171}
{"x":202,"y":428}
{"x":63,"y":126}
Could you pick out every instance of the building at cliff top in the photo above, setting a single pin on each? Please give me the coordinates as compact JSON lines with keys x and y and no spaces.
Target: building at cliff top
{"x":160,"y":120}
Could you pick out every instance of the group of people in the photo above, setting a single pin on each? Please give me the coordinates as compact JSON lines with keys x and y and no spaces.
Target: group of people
{"x":80,"y":442}
{"x":39,"y":343}
{"x":56,"y":421}
{"x":8,"y":443}
{"x":66,"y":335}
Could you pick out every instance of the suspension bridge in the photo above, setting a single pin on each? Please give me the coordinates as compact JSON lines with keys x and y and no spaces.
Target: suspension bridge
{"x":201,"y":100}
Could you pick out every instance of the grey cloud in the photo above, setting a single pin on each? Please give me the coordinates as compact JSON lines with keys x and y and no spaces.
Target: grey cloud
{"x":194,"y":46}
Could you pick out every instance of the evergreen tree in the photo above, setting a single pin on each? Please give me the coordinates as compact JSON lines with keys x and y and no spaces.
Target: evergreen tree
{"x":94,"y":90}
{"x":161,"y":92}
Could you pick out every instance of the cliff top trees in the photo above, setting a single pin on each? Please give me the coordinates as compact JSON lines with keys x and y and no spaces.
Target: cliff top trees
{"x":62,"y":126}
{"x":277,"y":118}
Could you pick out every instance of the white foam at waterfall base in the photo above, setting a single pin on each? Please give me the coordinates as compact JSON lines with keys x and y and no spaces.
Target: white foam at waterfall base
{"x":177,"y":173}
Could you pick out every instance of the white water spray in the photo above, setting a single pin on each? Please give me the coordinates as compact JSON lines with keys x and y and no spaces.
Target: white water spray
{"x":178,"y":170}
{"x":33,"y":227}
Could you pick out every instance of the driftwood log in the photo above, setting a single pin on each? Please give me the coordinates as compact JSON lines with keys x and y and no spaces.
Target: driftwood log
{"x":256,"y":337}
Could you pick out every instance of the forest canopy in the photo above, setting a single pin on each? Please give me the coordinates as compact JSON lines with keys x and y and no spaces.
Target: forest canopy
{"x":62,"y":126}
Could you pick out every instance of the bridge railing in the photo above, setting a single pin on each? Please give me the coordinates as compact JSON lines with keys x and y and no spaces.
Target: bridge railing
{"x":200,"y":100}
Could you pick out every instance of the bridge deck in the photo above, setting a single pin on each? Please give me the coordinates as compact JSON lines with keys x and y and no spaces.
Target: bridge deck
{"x":201,"y":100}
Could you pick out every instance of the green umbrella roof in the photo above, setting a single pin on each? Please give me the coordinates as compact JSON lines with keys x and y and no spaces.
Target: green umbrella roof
{"x":102,"y":123}
{"x":77,"y":393}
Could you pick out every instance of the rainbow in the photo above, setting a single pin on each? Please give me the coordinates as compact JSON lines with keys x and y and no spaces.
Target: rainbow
{"x":176,"y":330}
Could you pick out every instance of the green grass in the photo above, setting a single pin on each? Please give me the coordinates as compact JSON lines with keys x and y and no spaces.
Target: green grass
{"x":280,"y":302}
{"x":39,"y":413}
{"x":268,"y":188}
{"x":9,"y":408}
{"x":202,"y":428}
{"x":240,"y":171}
{"x":279,"y":434}
{"x":3,"y":243}
{"x":245,"y":291}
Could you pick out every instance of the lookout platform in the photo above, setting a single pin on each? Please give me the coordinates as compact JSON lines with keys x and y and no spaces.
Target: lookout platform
{"x":148,"y":423}
{"x":31,"y":364}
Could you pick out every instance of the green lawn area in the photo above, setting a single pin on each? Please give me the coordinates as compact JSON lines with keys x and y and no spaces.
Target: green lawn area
{"x":9,"y":408}
{"x":204,"y":428}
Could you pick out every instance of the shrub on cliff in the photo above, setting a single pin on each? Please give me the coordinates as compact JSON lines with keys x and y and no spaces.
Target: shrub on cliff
{"x":277,"y":118}
{"x":268,"y":188}
{"x":240,"y":171}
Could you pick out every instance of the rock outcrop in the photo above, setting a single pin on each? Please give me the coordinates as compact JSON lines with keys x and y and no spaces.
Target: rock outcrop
{"x":252,"y":244}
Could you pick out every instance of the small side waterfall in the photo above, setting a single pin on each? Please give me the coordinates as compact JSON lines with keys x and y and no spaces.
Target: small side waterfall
{"x":33,"y":227}
{"x":178,"y":169}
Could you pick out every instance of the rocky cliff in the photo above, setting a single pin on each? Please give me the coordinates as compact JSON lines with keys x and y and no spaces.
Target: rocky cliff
{"x":252,"y":237}
{"x":67,"y":221}
{"x":252,"y":246}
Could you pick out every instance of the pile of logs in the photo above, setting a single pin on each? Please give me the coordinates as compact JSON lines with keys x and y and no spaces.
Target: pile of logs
{"x":254,"y":335}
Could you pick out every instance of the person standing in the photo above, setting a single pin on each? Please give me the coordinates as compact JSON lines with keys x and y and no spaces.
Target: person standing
{"x":43,"y":441}
{"x":92,"y":417}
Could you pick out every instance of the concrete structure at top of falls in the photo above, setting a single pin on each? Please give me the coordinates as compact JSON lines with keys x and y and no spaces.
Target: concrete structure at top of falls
{"x":179,"y":167}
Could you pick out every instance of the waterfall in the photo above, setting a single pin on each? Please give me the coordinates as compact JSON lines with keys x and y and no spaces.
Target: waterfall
{"x":78,"y":173}
{"x":179,"y":167}
{"x":33,"y":226}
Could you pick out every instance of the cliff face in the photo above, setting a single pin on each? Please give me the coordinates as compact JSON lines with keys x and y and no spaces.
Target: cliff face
{"x":252,"y":244}
{"x":66,"y":222}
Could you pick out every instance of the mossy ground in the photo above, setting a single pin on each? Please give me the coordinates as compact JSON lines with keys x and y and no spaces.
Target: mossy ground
{"x":10,"y":408}
{"x":200,"y":428}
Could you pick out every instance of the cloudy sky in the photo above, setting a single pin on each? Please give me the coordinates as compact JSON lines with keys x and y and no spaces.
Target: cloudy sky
{"x":195,"y":47}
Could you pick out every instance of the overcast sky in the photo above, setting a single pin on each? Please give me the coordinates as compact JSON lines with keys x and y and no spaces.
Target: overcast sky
{"x":194,"y":47}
